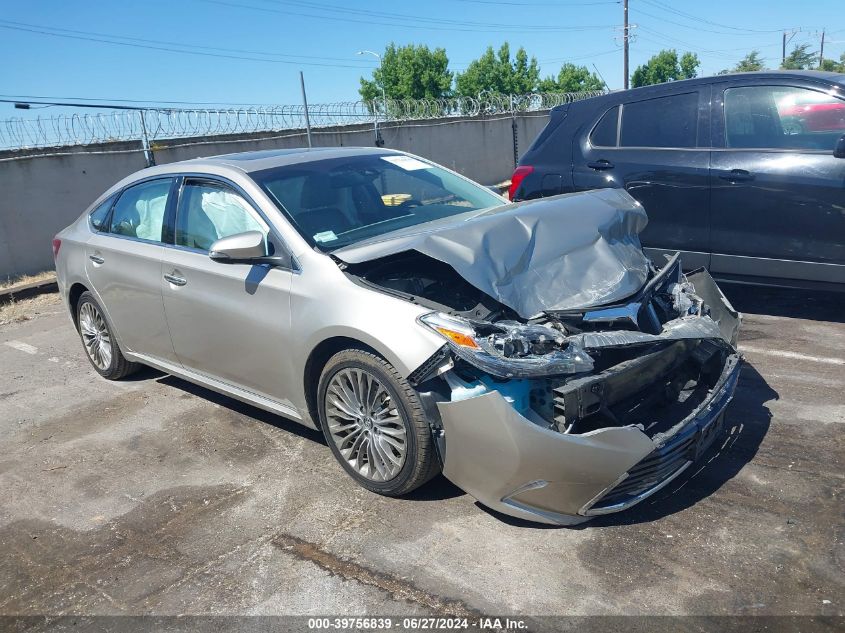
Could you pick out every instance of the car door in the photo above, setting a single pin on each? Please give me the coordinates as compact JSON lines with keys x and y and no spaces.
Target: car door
{"x":657,"y":148}
{"x":123,"y":264}
{"x":778,"y":193}
{"x":229,"y":322}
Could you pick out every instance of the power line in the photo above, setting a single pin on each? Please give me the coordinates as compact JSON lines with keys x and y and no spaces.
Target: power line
{"x":689,"y":16}
{"x":542,"y":4}
{"x":696,"y":28}
{"x":402,"y":20}
{"x":187,"y":46}
{"x":12,"y":98}
{"x":169,"y":47}
{"x":320,"y":6}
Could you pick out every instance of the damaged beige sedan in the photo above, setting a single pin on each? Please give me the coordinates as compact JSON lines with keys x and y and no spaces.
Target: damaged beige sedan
{"x":529,"y":351}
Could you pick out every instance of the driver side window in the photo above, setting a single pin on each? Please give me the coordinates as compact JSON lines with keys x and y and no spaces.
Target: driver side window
{"x":209,"y":211}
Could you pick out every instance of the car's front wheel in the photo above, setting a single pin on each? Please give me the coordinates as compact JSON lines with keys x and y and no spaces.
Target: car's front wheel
{"x":98,"y":340}
{"x":374,"y":423}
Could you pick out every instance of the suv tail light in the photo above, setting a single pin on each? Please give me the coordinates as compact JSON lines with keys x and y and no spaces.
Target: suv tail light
{"x":57,"y":244}
{"x":518,"y":176}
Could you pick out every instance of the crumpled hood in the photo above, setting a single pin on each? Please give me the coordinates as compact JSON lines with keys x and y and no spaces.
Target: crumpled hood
{"x":560,"y":253}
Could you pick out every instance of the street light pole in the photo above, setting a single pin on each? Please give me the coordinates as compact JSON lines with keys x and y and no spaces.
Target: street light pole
{"x":379,"y":141}
{"x":381,"y":70}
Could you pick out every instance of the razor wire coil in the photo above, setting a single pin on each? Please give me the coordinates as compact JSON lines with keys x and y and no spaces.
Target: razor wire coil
{"x":124,"y":125}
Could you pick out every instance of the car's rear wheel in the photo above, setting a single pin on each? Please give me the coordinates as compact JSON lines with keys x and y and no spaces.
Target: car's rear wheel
{"x":99,"y":342}
{"x":374,"y":423}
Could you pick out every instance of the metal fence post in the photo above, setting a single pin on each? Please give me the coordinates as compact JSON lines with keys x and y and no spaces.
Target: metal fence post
{"x":305,"y":104}
{"x":145,"y":141}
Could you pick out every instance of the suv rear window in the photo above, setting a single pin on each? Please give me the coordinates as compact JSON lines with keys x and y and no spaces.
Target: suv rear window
{"x":604,"y":134}
{"x":663,"y":122}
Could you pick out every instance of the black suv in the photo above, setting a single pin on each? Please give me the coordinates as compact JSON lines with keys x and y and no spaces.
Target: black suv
{"x":743,"y":173}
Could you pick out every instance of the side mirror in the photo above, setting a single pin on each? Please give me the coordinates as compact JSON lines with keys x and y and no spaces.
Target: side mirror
{"x":243,"y":248}
{"x":839,"y":150}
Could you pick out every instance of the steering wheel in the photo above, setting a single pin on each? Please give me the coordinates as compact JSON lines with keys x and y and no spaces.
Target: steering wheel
{"x":410,"y":204}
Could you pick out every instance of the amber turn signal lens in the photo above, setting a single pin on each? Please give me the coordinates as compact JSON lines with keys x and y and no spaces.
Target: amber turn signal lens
{"x":458,"y":338}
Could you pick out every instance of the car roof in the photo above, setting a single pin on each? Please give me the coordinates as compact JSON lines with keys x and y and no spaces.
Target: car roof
{"x":267,"y":159}
{"x":813,"y":75}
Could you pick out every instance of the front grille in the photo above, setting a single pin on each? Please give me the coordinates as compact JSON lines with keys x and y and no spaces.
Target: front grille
{"x":653,"y":469}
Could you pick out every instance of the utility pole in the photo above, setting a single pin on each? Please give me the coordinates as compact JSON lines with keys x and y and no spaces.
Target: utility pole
{"x":783,"y":55}
{"x":787,"y":37}
{"x":821,"y":52}
{"x":625,"y":42}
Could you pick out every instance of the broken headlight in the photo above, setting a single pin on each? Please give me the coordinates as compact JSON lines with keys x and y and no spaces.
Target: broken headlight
{"x":509,"y":349}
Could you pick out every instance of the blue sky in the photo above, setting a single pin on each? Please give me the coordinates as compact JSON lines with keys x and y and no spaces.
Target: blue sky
{"x":321,"y":37}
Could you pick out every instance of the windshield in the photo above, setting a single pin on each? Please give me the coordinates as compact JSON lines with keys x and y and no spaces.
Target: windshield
{"x":340,"y":201}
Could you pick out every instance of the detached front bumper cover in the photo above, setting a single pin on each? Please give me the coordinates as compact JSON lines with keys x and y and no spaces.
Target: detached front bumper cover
{"x":518,"y":468}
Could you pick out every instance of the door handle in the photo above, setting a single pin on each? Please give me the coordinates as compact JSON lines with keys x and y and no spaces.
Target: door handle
{"x":176,"y":281}
{"x":737,"y":175}
{"x":600,"y":165}
{"x":97,"y":259}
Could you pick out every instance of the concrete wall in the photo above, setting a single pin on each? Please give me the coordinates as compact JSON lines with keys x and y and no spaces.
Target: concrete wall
{"x":41,"y":193}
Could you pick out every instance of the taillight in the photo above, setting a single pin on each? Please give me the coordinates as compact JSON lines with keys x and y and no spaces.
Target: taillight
{"x":518,"y":176}
{"x":57,"y":244}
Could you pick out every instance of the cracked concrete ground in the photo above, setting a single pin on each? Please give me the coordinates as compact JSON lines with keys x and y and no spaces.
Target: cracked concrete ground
{"x":153,"y":496}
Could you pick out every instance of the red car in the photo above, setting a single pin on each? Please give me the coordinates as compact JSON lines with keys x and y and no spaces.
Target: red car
{"x":811,"y":112}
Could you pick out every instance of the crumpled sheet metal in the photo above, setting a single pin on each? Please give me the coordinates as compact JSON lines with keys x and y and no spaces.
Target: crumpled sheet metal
{"x":691,"y":327}
{"x":560,"y":253}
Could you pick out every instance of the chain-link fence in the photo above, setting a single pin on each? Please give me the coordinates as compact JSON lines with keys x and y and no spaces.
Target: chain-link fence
{"x":152,"y":124}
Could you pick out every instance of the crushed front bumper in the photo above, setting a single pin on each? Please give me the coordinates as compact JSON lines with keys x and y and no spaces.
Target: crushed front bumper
{"x":516,"y":467}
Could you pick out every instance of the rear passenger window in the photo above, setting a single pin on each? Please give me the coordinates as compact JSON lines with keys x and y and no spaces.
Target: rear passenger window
{"x":139,"y":211}
{"x":604,"y":134}
{"x":98,"y":216}
{"x":662,"y":122}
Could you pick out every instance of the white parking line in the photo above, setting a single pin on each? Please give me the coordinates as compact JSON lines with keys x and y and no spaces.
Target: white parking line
{"x":793,"y":355}
{"x":23,"y":347}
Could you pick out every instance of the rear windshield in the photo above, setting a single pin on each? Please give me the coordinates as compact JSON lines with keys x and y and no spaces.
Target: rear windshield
{"x":340,"y":201}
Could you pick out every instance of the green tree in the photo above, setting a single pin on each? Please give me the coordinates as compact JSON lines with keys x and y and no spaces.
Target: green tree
{"x":750,"y":63}
{"x":833,"y":66}
{"x":498,"y":73}
{"x":801,"y":58}
{"x":409,"y":72}
{"x":665,"y":66}
{"x":571,"y":78}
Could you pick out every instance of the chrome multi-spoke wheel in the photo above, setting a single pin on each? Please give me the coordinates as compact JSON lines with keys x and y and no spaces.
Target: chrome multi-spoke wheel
{"x":365,"y":424}
{"x":99,"y":341}
{"x":95,"y":336}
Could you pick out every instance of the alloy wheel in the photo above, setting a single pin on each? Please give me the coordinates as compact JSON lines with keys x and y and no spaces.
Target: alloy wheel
{"x":95,"y":336}
{"x":365,"y":424}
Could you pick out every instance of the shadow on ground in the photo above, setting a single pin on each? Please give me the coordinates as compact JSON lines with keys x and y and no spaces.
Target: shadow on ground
{"x":786,"y":302}
{"x":438,"y":488}
{"x":273,"y":419}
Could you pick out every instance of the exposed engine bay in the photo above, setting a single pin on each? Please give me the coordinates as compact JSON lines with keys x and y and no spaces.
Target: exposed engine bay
{"x":647,"y":361}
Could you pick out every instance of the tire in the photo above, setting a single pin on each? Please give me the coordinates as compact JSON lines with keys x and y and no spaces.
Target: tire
{"x":98,"y":341}
{"x":376,"y":430}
